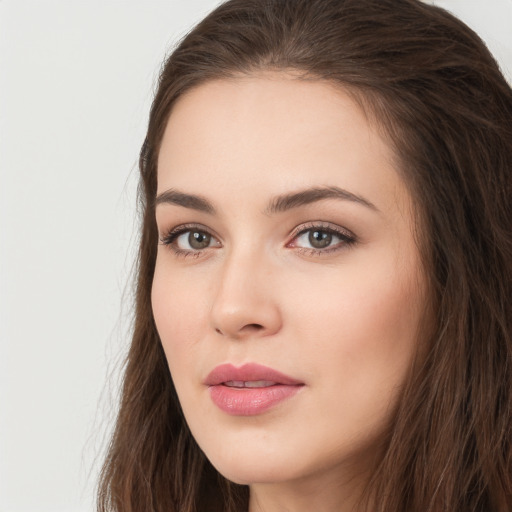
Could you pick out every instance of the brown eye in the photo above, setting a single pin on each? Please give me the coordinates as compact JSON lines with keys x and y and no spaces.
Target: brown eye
{"x":190,"y":240}
{"x":319,"y":239}
{"x":199,"y":240}
{"x":322,"y":240}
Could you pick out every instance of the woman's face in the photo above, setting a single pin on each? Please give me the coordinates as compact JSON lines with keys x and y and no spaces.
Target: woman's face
{"x":286,"y":243}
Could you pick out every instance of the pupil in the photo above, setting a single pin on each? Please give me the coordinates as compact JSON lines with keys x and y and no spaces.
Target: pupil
{"x":320,"y":239}
{"x":198,"y":240}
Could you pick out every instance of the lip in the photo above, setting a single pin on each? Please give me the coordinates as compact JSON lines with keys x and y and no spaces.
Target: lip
{"x":229,"y":393}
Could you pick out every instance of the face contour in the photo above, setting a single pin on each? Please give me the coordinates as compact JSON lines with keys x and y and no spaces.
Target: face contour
{"x":286,"y":242}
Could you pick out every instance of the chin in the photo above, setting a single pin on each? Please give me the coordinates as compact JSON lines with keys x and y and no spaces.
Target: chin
{"x":244,"y":463}
{"x":271,"y":459}
{"x":250,"y":471}
{"x":270,"y":463}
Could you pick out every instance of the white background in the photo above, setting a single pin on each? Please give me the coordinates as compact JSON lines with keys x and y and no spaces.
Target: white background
{"x":76,"y":81}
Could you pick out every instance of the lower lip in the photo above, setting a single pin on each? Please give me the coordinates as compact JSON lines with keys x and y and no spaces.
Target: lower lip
{"x":250,"y":401}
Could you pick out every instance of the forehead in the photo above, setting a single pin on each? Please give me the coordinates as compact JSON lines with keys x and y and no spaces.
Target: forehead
{"x":274,"y":131}
{"x":255,"y":106}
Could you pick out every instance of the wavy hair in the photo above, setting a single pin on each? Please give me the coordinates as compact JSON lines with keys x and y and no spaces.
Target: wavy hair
{"x":439,"y":98}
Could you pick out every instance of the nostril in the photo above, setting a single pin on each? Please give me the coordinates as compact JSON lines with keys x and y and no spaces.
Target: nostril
{"x":246,"y":329}
{"x":252,"y":327}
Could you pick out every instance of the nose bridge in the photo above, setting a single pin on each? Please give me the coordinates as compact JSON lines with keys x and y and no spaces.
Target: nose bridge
{"x":244,"y":303}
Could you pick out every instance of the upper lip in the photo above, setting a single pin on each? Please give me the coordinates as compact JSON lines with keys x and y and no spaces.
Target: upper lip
{"x":247,"y":373}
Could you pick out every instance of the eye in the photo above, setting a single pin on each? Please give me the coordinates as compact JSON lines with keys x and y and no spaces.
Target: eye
{"x":318,"y":239}
{"x":193,"y":240}
{"x":189,"y":240}
{"x":321,"y":238}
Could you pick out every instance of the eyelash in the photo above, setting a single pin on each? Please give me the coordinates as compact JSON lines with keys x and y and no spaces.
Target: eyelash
{"x":347,"y":238}
{"x":170,"y":238}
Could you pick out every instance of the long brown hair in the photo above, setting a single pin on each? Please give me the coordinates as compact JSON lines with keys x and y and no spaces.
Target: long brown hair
{"x":433,"y":88}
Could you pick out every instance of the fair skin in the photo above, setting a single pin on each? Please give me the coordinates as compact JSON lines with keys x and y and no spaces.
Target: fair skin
{"x":327,"y":288}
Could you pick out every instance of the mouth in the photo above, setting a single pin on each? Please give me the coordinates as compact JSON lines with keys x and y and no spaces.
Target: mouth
{"x":248,"y":375}
{"x":250,"y":389}
{"x":249,"y":384}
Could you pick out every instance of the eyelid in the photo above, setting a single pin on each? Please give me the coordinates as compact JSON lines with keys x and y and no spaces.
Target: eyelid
{"x":348,"y":238}
{"x":167,"y":238}
{"x":321,"y":225}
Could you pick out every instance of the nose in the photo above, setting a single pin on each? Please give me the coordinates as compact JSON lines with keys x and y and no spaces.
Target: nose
{"x":245,"y":304}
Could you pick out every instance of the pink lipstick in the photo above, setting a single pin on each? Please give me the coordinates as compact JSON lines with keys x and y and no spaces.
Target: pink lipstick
{"x":249,"y":389}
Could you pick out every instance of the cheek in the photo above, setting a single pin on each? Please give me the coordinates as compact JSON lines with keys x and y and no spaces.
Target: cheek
{"x":360,"y":324}
{"x":176,"y":304}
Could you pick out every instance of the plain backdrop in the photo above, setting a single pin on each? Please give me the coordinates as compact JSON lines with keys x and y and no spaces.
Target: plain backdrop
{"x":76,"y":82}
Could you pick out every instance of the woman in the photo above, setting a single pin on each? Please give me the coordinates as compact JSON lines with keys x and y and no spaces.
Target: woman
{"x":324,"y":291}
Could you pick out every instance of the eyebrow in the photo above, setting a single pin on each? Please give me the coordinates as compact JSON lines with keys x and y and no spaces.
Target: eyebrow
{"x":279,"y":204}
{"x":194,"y":202}
{"x":312,"y":195}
